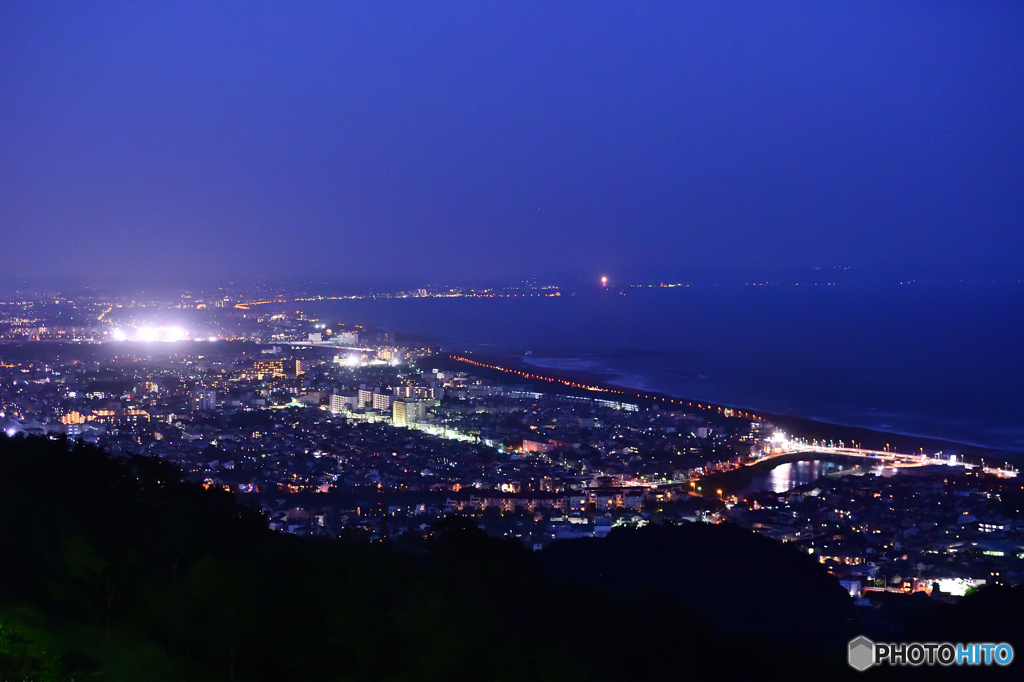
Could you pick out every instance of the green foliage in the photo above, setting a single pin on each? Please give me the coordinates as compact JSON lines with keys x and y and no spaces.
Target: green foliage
{"x":117,"y":569}
{"x":28,"y":654}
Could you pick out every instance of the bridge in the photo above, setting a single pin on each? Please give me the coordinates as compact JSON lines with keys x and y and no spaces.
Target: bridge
{"x":782,"y":447}
{"x":779,"y":448}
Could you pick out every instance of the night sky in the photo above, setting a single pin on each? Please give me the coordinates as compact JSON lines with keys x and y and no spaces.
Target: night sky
{"x":428,"y":142}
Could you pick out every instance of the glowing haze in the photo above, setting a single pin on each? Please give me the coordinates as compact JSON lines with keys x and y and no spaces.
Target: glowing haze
{"x":150,"y":334}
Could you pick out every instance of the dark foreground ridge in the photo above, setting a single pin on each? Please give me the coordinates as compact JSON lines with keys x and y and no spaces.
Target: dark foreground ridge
{"x":118,"y":569}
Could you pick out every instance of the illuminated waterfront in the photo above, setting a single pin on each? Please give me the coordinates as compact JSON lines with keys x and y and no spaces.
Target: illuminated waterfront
{"x":682,"y":342}
{"x":794,"y":474}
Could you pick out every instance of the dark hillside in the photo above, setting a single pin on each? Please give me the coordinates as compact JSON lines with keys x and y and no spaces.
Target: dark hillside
{"x":118,"y":569}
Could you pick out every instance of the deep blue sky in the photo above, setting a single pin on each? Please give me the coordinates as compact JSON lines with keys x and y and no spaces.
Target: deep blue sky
{"x":443,"y":141}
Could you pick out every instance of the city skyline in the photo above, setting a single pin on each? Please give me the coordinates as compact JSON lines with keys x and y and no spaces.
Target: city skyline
{"x":420,"y":341}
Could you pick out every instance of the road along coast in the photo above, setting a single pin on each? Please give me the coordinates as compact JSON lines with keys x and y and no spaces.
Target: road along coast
{"x":510,"y":368}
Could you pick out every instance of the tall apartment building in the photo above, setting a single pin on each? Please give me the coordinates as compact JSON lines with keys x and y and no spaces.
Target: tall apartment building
{"x":206,"y":399}
{"x":405,"y":412}
{"x":382,"y":401}
{"x":341,"y":403}
{"x":415,"y":393}
{"x":346,"y":338}
{"x":272,"y":368}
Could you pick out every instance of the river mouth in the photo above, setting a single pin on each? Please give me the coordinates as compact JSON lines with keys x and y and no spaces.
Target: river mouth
{"x":790,"y":475}
{"x":787,"y":472}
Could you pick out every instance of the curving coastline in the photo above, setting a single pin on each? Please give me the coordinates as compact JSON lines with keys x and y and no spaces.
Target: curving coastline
{"x":581,"y":382}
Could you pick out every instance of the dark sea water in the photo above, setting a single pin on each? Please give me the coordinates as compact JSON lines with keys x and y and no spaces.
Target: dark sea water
{"x":944,"y":362}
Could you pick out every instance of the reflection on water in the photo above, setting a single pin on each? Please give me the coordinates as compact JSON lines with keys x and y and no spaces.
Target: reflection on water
{"x":792,"y":474}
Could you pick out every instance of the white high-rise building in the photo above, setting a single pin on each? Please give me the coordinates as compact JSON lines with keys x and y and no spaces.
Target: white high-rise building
{"x":406,"y":412}
{"x":342,"y":403}
{"x":382,"y":401}
{"x":346,"y":338}
{"x":206,"y":399}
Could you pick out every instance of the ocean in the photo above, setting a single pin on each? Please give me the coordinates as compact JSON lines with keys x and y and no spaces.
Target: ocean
{"x":938,"y":361}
